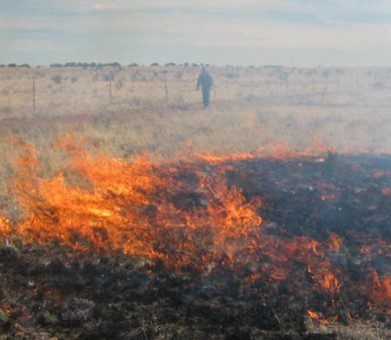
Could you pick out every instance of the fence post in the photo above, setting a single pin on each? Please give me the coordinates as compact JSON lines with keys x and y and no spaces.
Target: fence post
{"x":110,"y":92}
{"x":33,"y":93}
{"x":9,"y":99}
{"x":166,"y":91}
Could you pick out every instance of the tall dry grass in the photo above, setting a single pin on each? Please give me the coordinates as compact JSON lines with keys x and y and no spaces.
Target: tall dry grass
{"x":252,"y":108}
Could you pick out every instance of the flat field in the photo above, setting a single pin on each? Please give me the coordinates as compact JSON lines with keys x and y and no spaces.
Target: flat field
{"x":157,"y":110}
{"x":129,"y":211}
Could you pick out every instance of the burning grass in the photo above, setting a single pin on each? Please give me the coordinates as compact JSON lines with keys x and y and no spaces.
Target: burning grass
{"x":224,"y":229}
{"x":231,"y":241}
{"x":140,"y":208}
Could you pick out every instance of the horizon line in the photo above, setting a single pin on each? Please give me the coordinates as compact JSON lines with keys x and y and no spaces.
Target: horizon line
{"x":167,"y":64}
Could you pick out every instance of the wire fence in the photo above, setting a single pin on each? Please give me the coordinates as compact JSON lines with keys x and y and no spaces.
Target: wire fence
{"x":57,"y":92}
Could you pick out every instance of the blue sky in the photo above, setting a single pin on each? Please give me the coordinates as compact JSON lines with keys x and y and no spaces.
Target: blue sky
{"x":249,"y":32}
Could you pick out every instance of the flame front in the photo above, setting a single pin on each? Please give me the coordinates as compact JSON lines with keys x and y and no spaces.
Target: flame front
{"x":138,"y":207}
{"x":183,"y":213}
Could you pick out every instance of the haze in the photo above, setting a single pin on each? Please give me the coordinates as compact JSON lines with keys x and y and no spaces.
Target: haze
{"x":279,"y":32}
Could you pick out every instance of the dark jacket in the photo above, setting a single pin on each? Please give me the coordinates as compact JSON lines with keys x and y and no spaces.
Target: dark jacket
{"x":205,"y":81}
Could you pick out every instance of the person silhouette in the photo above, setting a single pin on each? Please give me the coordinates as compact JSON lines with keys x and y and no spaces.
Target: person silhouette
{"x":205,"y":81}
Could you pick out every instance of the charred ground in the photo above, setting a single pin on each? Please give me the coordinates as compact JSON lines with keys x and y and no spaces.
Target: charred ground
{"x":49,"y":289}
{"x":319,"y":265}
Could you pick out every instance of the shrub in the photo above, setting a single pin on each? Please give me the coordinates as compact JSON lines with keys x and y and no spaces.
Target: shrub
{"x":232,"y":75}
{"x":57,"y":79}
{"x":108,"y":77}
{"x":119,"y":84}
{"x":378,"y":85}
{"x":178,"y":75}
{"x":115,"y":64}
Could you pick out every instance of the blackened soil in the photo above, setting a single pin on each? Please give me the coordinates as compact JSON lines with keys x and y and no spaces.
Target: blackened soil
{"x":48,"y":290}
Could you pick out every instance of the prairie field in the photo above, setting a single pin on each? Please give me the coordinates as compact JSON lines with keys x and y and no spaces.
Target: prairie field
{"x":127,"y":210}
{"x":157,"y":109}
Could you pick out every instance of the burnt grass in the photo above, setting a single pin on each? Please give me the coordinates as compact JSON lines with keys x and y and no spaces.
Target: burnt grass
{"x":49,"y":290}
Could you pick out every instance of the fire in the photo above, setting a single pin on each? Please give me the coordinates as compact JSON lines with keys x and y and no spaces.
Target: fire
{"x":319,"y":318}
{"x":214,"y":159}
{"x":315,"y":316}
{"x":4,"y":227}
{"x":184,"y":213}
{"x":138,"y":207}
{"x":335,"y":242}
{"x":381,"y":288}
{"x":330,"y":282}
{"x":102,"y":213}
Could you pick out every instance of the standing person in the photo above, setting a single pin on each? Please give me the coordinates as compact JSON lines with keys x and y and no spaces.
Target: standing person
{"x":205,"y":80}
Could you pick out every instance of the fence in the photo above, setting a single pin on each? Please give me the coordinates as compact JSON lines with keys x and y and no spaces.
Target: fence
{"x":62,"y":91}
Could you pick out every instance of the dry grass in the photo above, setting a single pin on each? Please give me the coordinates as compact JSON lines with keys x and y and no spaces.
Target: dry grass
{"x":65,"y":91}
{"x":355,"y":331}
{"x":252,"y":108}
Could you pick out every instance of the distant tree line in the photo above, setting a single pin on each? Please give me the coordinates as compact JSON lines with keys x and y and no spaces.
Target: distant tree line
{"x":100,"y":65}
{"x":118,"y":65}
{"x":72,"y":64}
{"x":86,"y":65}
{"x":15,"y":65}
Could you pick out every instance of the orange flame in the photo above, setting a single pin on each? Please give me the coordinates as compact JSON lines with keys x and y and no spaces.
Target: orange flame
{"x":183,"y":213}
{"x":131,"y":206}
{"x":318,"y":317}
{"x":381,"y":288}
{"x":4,"y":227}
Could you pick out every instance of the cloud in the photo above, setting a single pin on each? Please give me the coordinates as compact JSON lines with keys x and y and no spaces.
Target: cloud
{"x":300,"y":6}
{"x":170,"y":4}
{"x":102,"y":7}
{"x":95,"y":26}
{"x":379,"y":6}
{"x":210,"y":30}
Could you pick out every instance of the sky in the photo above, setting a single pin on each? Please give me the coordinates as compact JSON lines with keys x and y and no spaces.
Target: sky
{"x":246,"y":32}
